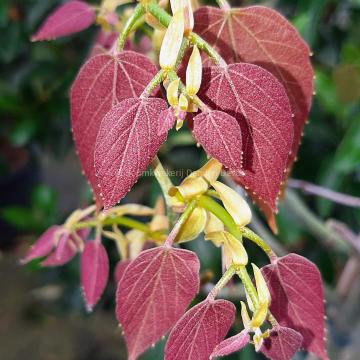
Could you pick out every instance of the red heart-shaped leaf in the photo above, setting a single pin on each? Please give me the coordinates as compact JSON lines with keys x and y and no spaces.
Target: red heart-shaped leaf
{"x":197,"y":333}
{"x":167,"y":120}
{"x":282,"y":344}
{"x":126,"y":143}
{"x":260,"y":105}
{"x":94,"y":270}
{"x":220,"y":135}
{"x":231,"y":345}
{"x":153,"y":293}
{"x":67,"y":19}
{"x":298,"y":300}
{"x":261,"y":36}
{"x":103,"y":82}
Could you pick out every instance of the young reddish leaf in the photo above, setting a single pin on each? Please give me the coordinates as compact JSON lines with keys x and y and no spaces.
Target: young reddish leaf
{"x":126,"y":144}
{"x":231,"y":345}
{"x":200,"y":330}
{"x":167,"y":120}
{"x":67,"y":19}
{"x":261,"y":36}
{"x":260,"y":105}
{"x":120,"y":269}
{"x":94,"y":270}
{"x":64,"y":252}
{"x":103,"y":82}
{"x":153,"y":293}
{"x":220,"y":135}
{"x":282,"y":344}
{"x":43,"y":246}
{"x":298,"y":300}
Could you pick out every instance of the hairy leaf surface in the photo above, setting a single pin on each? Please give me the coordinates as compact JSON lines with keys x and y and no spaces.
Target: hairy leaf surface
{"x":261,"y":36}
{"x":94,"y":270}
{"x":166,"y":120}
{"x":260,"y":105}
{"x":220,"y":135}
{"x":103,"y":82}
{"x":120,"y":269}
{"x":282,"y":344}
{"x":153,"y":294}
{"x":231,"y":345}
{"x":298,"y":300}
{"x":200,"y":330}
{"x":67,"y":19}
{"x":126,"y":143}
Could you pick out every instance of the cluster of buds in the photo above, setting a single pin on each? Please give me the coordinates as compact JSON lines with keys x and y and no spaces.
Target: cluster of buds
{"x":259,"y":310}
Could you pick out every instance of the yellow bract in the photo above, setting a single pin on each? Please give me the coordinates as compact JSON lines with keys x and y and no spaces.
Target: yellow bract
{"x":233,"y":203}
{"x":194,"y":73}
{"x":172,"y":92}
{"x":183,"y":102}
{"x":193,"y":226}
{"x":234,"y":251}
{"x":213,"y":224}
{"x":172,"y":42}
{"x":245,"y":316}
{"x":261,"y":287}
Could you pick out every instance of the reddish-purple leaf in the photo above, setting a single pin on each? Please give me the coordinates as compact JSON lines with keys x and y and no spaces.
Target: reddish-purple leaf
{"x":64,"y":252}
{"x":67,"y":19}
{"x":166,"y":121}
{"x":282,"y":344}
{"x":153,"y":293}
{"x":43,"y":246}
{"x":103,"y":82}
{"x":261,"y":36}
{"x":298,"y":300}
{"x":94,"y":270}
{"x":126,"y":144}
{"x":231,"y":345}
{"x":220,"y":135}
{"x":120,"y":269}
{"x":200,"y":330}
{"x":260,"y":105}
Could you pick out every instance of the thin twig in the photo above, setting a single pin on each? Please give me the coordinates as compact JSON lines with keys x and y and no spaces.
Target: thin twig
{"x":312,"y":189}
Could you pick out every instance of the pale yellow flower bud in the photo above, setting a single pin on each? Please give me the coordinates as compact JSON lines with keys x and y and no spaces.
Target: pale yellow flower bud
{"x":130,"y":209}
{"x":136,"y":240}
{"x":190,"y":188}
{"x":186,"y":7}
{"x":179,"y":124}
{"x":172,"y":92}
{"x":213,"y":224}
{"x":234,"y":251}
{"x":261,"y":286}
{"x":249,"y":301}
{"x":157,"y":40}
{"x":183,"y":102}
{"x":193,"y":226}
{"x":260,"y":315}
{"x":245,"y":315}
{"x":210,"y":171}
{"x":172,"y":41}
{"x":194,"y":73}
{"x":233,"y":203}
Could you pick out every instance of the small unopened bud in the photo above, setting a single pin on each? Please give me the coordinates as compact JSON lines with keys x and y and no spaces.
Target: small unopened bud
{"x":186,"y":7}
{"x":157,"y":40}
{"x":136,"y":240}
{"x":193,"y":226}
{"x":183,"y":102}
{"x":233,"y":203}
{"x":179,"y":124}
{"x":245,"y":315}
{"x":194,"y":73}
{"x":172,"y":92}
{"x":261,"y":286}
{"x":172,"y":41}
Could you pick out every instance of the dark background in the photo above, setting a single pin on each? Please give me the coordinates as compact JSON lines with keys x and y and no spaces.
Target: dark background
{"x":41,"y":310}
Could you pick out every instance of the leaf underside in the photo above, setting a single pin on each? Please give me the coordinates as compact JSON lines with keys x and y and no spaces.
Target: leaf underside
{"x":67,"y":19}
{"x":126,"y":144}
{"x":200,"y":330}
{"x":259,"y":103}
{"x":103,"y":81}
{"x":298,"y":300}
{"x":153,"y":294}
{"x":220,"y":135}
{"x":261,"y":36}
